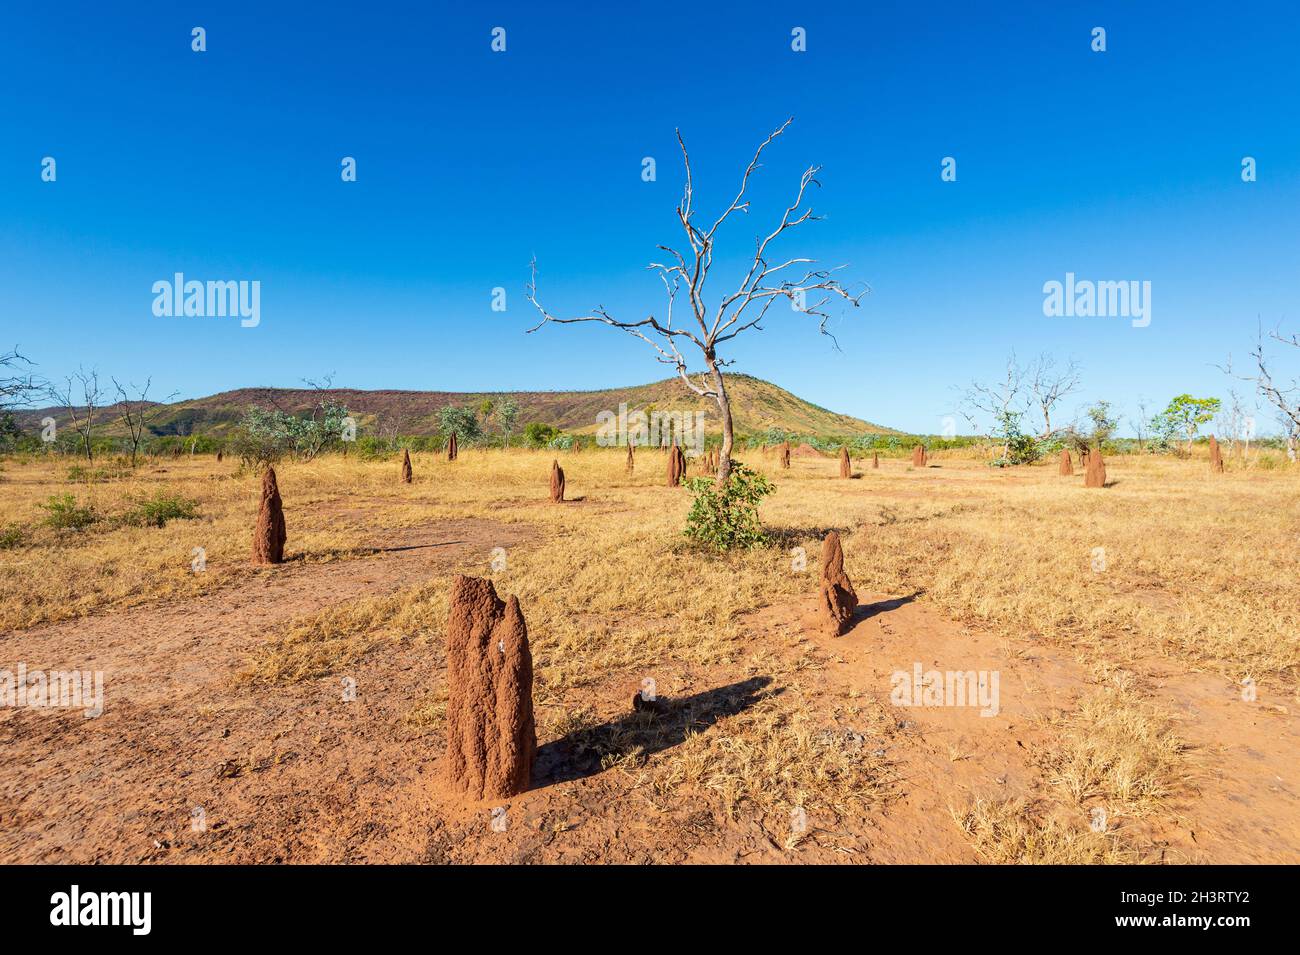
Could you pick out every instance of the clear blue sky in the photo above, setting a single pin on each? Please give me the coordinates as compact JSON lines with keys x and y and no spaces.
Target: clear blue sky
{"x":225,"y":165}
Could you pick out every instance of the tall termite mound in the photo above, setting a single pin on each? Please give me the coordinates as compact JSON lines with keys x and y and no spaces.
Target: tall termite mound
{"x":491,"y":739}
{"x":846,"y":466}
{"x":676,"y":465}
{"x":219,"y":455}
{"x":875,"y":460}
{"x":919,"y":457}
{"x":836,"y":599}
{"x":1216,"y":456}
{"x":631,"y":464}
{"x":451,"y":447}
{"x":1095,"y":475}
{"x":557,"y":483}
{"x":406,"y":466}
{"x":269,"y":534}
{"x":1067,"y":466}
{"x":785,"y":454}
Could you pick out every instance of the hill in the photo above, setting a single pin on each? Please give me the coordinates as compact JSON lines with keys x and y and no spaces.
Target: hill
{"x":756,"y":405}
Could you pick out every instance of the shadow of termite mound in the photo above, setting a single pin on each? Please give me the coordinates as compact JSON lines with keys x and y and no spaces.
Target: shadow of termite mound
{"x":786,"y":537}
{"x":583,"y":752}
{"x":867,"y":611}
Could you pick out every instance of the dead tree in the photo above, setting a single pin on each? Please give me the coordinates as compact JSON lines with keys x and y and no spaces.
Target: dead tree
{"x":136,"y":413}
{"x":1049,"y":385}
{"x":81,"y":416}
{"x":1001,"y":401}
{"x":1284,"y":396}
{"x":16,"y":387}
{"x":709,"y":327}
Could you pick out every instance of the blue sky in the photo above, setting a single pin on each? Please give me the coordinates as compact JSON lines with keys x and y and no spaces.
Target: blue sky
{"x":1123,"y":165}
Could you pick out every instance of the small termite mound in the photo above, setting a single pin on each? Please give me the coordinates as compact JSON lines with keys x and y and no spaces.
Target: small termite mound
{"x":1216,"y":456}
{"x":269,"y":533}
{"x":557,"y":483}
{"x":676,"y":465}
{"x":1095,"y":475}
{"x":836,"y":598}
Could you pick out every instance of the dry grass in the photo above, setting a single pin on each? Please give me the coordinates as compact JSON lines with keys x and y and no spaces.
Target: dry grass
{"x":1027,"y":833}
{"x":1117,"y":751}
{"x":1200,"y":570}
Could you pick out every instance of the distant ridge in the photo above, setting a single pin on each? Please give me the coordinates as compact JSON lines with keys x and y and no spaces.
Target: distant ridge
{"x":756,"y":405}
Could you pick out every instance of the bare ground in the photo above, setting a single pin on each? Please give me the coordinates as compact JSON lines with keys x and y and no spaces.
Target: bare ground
{"x":294,"y":774}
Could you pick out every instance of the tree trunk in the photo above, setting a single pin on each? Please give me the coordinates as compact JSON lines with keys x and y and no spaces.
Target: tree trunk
{"x":724,"y":407}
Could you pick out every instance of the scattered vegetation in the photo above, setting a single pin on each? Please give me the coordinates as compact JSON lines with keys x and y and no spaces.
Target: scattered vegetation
{"x":726,"y":518}
{"x":158,"y":509}
{"x":63,"y":512}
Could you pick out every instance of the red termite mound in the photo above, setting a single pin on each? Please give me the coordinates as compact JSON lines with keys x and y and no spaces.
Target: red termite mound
{"x":451,"y":447}
{"x":557,"y":483}
{"x":919,"y":457}
{"x":269,"y":534}
{"x":676,"y":466}
{"x":836,"y":597}
{"x":875,"y":460}
{"x":218,"y":457}
{"x":785,"y":454}
{"x":1067,"y":466}
{"x":631,"y":465}
{"x":1216,"y":456}
{"x":406,"y":466}
{"x":491,"y":739}
{"x":1095,"y":475}
{"x":846,"y":466}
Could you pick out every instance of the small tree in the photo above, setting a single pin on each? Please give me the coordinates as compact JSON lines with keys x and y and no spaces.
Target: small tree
{"x":1141,"y":423}
{"x":709,"y":327}
{"x":462,"y":422}
{"x":1186,"y":414}
{"x":507,"y":412}
{"x":1104,"y":422}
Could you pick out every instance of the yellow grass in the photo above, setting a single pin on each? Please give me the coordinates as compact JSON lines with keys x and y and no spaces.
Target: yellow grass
{"x":1198,"y":569}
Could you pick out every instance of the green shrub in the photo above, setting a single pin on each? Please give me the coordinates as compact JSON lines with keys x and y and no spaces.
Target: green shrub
{"x":156,"y":511}
{"x":539,"y":435}
{"x":12,"y":535}
{"x":64,"y":513}
{"x":727,"y":518}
